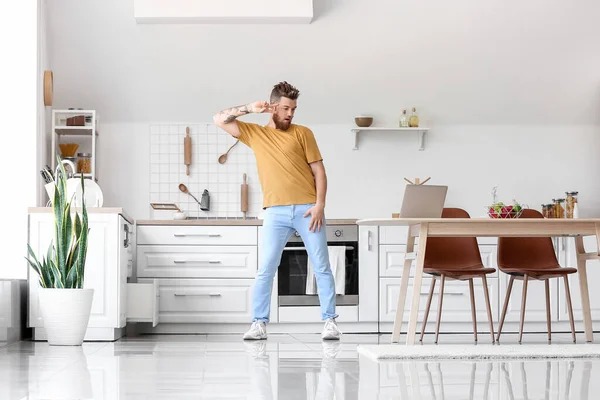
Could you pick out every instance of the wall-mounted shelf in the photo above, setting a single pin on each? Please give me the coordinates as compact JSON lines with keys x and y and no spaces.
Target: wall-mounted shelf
{"x":75,"y":130}
{"x":420,"y":132}
{"x":84,"y":135}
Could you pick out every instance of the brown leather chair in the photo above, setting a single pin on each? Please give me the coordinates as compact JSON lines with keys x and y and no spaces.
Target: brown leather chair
{"x":531,"y":258}
{"x":455,"y":258}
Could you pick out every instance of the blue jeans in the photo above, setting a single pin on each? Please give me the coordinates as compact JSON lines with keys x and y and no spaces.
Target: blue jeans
{"x":279,"y":224}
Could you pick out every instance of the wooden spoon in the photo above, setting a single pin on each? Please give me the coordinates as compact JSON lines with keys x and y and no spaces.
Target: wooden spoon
{"x":185,"y":190}
{"x":223,"y":157}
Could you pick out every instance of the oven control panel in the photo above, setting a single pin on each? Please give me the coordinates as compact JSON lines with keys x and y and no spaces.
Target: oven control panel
{"x":339,"y":233}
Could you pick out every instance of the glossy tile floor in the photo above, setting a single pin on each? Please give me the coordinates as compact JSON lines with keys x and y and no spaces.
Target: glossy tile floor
{"x":284,"y":367}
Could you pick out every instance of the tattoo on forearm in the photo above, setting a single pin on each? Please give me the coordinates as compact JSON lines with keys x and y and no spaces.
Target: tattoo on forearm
{"x":229,"y":115}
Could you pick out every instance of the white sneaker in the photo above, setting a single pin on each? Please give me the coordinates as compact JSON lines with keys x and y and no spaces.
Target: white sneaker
{"x":258,"y":331}
{"x":256,"y":348}
{"x":331,"y":330}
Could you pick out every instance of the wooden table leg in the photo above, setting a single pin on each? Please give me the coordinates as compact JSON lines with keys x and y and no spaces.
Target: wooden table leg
{"x":410,"y":247}
{"x":414,"y":308}
{"x":583,"y":289}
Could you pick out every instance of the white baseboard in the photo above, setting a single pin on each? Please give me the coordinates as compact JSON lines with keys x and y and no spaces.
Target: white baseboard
{"x":91,"y":335}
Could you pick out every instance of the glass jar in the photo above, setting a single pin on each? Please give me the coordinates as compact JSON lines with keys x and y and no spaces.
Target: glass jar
{"x":545,"y":210}
{"x":571,"y":201}
{"x":550,"y":210}
{"x":559,"y":210}
{"x":84,"y":163}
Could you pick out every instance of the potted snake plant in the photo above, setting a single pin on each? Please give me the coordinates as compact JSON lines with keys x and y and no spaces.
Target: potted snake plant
{"x":64,"y":304}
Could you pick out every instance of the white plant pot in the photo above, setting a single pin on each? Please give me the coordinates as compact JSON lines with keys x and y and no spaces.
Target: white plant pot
{"x":66,"y":313}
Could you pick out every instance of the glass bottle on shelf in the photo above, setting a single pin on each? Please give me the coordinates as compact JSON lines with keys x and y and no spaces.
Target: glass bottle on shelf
{"x":571,"y":202}
{"x":550,"y":210}
{"x":559,"y":211}
{"x":413,"y":122}
{"x":404,"y":120}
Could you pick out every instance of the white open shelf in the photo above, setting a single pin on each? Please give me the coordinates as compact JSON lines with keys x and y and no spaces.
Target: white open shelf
{"x":420,"y":132}
{"x":87,"y":134}
{"x":74,"y":130}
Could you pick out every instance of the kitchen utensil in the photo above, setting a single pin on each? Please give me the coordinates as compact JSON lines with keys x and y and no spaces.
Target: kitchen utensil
{"x":205,"y":202}
{"x":363,"y":121}
{"x":68,"y":149}
{"x":185,"y":190}
{"x":163,"y":211}
{"x":48,"y":88}
{"x":69,"y":169}
{"x":93,"y":194}
{"x":223,"y":157}
{"x":164,"y":206}
{"x":244,"y":197}
{"x":187,"y":151}
{"x":179,"y":215}
{"x":47,"y":178}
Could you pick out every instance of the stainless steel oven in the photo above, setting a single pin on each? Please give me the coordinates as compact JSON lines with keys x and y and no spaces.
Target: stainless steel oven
{"x":292,"y":273}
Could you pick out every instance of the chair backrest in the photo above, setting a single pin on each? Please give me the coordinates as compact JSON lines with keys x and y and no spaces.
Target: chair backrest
{"x":527,"y":252}
{"x":452,"y":253}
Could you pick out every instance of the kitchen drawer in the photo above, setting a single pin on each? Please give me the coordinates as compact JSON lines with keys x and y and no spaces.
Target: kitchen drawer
{"x":204,"y":301}
{"x":142,"y":301}
{"x":457,"y":301}
{"x":391,"y":260}
{"x":197,"y":235}
{"x":393,"y":234}
{"x":197,"y":261}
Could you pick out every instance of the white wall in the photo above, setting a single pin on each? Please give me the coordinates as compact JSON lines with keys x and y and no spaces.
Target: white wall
{"x":459,"y":62}
{"x":530,"y":163}
{"x":511,"y":91}
{"x":18,"y":111}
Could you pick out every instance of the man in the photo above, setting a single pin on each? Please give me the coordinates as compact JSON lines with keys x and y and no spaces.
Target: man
{"x":294,"y":184}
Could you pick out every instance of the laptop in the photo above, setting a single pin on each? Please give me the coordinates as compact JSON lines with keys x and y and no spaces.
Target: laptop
{"x":423,"y":201}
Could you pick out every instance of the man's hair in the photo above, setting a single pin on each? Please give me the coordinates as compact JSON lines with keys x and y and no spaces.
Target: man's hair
{"x":284,"y":89}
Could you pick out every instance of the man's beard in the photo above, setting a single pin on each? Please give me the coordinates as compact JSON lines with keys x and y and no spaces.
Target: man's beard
{"x":281,"y":124}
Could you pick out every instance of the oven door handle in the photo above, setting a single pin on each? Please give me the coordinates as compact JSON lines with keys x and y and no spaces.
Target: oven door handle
{"x":304,"y":248}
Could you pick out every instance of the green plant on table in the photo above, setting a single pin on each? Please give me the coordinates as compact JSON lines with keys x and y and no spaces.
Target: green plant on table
{"x":63,"y":266}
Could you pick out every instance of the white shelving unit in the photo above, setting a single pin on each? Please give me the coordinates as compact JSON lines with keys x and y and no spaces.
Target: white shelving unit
{"x":85,"y":136}
{"x":420,"y":132}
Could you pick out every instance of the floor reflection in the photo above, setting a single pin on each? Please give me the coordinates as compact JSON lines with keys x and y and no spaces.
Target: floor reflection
{"x":284,"y":367}
{"x":518,"y":379}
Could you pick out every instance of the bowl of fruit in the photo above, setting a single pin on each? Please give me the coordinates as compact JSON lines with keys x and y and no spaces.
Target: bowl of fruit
{"x":501,"y":210}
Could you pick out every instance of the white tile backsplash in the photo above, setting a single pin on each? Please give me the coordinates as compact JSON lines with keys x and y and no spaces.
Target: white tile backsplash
{"x":167,"y":170}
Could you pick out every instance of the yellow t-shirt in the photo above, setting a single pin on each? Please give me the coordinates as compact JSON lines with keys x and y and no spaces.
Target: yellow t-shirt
{"x":283,"y":159}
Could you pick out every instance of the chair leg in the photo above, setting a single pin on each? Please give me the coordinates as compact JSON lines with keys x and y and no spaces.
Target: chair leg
{"x":433,"y":279}
{"x":570,"y":307}
{"x":523,"y":303}
{"x":473,"y":314}
{"x":488,"y":306}
{"x":507,"y":298}
{"x":548,"y":323}
{"x":439,"y":316}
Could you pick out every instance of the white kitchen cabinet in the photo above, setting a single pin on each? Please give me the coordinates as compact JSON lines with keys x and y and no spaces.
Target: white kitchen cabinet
{"x":391,"y":260}
{"x":109,"y":253}
{"x":535,"y":309}
{"x":204,"y":300}
{"x":195,"y":274}
{"x":368,"y":261}
{"x":197,"y":261}
{"x":163,"y":235}
{"x":456,"y":306}
{"x":593,"y":275}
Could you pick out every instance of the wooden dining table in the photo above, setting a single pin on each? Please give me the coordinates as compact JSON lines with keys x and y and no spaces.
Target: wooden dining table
{"x":424,"y":228}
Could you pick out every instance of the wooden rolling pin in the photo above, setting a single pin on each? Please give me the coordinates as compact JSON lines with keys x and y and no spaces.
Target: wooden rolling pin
{"x":187,"y":150}
{"x":244,"y":199}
